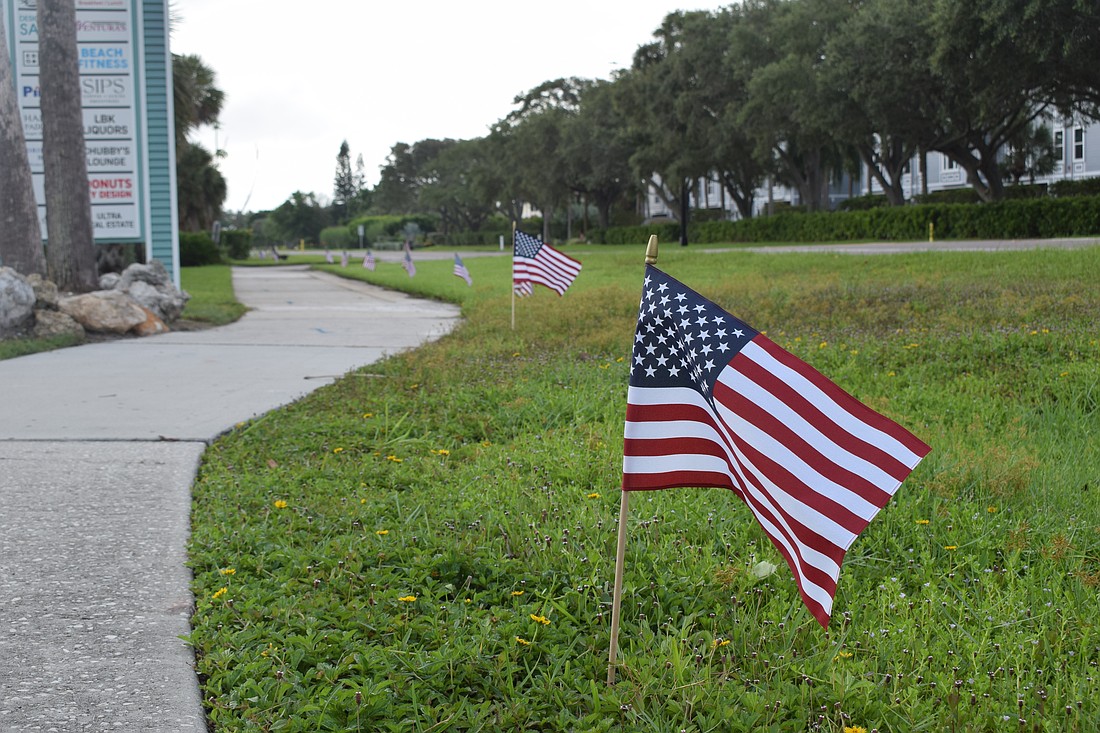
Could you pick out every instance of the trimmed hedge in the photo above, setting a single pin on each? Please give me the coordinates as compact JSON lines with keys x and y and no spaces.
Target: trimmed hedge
{"x":198,"y":249}
{"x":1014,"y":219}
{"x":237,"y":243}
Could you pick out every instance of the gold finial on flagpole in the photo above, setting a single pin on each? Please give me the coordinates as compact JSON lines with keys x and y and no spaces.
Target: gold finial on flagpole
{"x":651,"y":250}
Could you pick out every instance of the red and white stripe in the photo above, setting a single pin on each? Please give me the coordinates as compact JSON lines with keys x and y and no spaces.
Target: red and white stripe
{"x":813,"y":463}
{"x":548,"y":267}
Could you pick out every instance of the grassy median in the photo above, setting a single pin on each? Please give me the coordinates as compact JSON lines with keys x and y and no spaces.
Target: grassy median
{"x":428,"y":544}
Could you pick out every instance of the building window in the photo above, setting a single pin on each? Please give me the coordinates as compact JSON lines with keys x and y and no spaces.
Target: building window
{"x":949,"y":164}
{"x":1060,"y":146}
{"x":1078,"y":143}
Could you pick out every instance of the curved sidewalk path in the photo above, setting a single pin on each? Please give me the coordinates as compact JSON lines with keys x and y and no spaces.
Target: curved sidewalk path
{"x":99,"y":445}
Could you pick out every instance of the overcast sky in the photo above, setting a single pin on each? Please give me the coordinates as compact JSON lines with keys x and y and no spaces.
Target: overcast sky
{"x":300,"y":77}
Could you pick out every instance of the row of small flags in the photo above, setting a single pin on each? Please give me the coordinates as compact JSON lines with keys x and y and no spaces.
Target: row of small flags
{"x":533,"y":262}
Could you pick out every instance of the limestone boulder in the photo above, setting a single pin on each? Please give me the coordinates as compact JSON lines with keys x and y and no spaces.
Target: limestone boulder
{"x":16,"y":302}
{"x":151,"y":286}
{"x":45,"y":292}
{"x":151,"y":326}
{"x":104,"y":311}
{"x":49,"y":323}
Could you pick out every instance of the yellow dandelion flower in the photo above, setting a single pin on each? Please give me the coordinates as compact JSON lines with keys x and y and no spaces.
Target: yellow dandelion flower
{"x":441,"y":452}
{"x":515,"y":354}
{"x":486,"y":443}
{"x":414,"y":386}
{"x":854,"y":729}
{"x":719,"y":642}
{"x":469,"y":600}
{"x":991,"y":509}
{"x":337,"y":450}
{"x":912,"y":346}
{"x":368,"y":415}
{"x":362,"y":501}
{"x":619,"y":360}
{"x":523,"y":641}
{"x":594,"y":495}
{"x":407,"y":599}
{"x":517,"y":593}
{"x":219,"y":593}
{"x":540,"y":619}
{"x":892,"y":374}
{"x":394,"y":458}
{"x":280,"y":504}
{"x":842,"y":655}
{"x":922,"y":521}
{"x":604,"y":366}
{"x":950,"y":547}
{"x":228,"y":571}
{"x":1064,"y":374}
{"x":382,"y":532}
{"x":823,"y":344}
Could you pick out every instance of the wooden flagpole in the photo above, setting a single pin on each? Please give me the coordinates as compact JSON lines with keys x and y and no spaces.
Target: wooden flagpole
{"x":620,"y":550}
{"x":513,"y":274}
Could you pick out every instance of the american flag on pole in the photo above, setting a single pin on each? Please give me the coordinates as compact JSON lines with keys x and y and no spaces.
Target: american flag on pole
{"x":461,"y":271}
{"x":535,"y":262}
{"x":713,"y":402}
{"x":368,"y":260}
{"x":407,"y":263}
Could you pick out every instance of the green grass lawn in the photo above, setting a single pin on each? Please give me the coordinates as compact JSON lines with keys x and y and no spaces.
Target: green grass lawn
{"x":212,"y":299}
{"x":428,"y":544}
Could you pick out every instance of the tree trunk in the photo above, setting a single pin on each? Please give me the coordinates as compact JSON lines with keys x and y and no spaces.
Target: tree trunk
{"x":20,"y":234}
{"x":70,"y":251}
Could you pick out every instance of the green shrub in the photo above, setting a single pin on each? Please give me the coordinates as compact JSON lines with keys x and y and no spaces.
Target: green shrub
{"x":860,"y":203}
{"x":950,"y":196}
{"x":1082,"y":187}
{"x":338,"y":238}
{"x":237,"y":243}
{"x":1010,"y":219}
{"x":197,"y":249}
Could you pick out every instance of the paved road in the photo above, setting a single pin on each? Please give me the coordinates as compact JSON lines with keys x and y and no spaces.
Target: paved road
{"x":99,"y":445}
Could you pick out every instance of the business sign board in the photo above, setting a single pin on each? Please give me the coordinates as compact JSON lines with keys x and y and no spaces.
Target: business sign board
{"x":126,"y":94}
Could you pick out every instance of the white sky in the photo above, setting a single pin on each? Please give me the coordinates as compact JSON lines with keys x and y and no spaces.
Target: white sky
{"x":300,"y":77}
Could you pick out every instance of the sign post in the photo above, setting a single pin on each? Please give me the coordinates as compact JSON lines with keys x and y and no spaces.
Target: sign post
{"x":126,"y":95}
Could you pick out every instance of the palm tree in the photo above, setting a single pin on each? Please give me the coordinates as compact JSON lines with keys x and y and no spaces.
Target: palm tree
{"x":197,"y":100}
{"x":20,"y":235}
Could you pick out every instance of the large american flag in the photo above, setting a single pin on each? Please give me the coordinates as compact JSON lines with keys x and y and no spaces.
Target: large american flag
{"x":535,"y":262}
{"x":713,"y":402}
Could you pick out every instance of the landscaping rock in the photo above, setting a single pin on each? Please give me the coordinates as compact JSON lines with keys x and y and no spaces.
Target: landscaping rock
{"x":16,"y":302}
{"x":55,"y":323}
{"x":104,"y":311}
{"x":151,"y":286}
{"x":45,"y":292}
{"x":151,"y":326}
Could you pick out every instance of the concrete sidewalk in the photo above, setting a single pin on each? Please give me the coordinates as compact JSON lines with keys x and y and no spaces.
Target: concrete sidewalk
{"x":99,"y":445}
